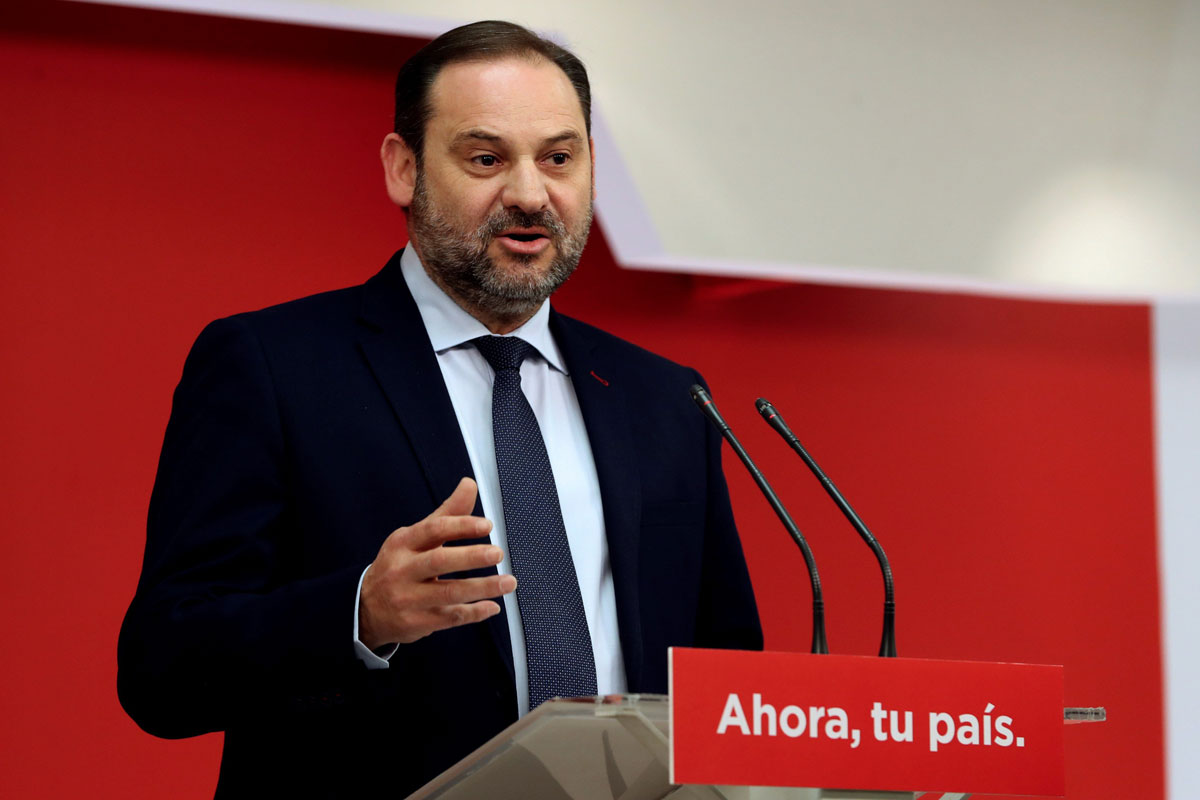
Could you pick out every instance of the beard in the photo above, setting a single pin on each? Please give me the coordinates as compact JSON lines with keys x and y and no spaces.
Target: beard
{"x":458,"y":258}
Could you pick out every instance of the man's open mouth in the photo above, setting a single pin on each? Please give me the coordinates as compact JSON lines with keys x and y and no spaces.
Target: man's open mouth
{"x":525,"y":241}
{"x":524,"y":236}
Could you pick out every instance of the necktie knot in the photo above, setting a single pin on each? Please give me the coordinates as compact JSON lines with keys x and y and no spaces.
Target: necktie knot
{"x":504,"y":353}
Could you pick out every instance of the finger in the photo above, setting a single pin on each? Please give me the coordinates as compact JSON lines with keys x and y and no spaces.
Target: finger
{"x":445,"y":560}
{"x":438,"y":594}
{"x":422,"y":622}
{"x":432,"y":532}
{"x":460,"y":502}
{"x":463,"y":614}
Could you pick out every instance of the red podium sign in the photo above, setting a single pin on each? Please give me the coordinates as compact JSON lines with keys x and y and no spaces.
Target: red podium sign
{"x":856,"y":722}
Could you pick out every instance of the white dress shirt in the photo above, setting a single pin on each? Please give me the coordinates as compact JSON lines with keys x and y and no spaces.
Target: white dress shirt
{"x":548,"y":388}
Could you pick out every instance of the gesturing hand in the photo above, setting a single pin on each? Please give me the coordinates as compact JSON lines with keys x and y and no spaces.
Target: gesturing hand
{"x":403,"y":598}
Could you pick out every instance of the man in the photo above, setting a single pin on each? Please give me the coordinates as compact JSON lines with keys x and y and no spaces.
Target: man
{"x":352,"y":485}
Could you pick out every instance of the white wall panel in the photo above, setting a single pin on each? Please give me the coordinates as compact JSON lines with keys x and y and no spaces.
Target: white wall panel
{"x":1020,"y":142}
{"x":999,"y":143}
{"x":1177,"y":408}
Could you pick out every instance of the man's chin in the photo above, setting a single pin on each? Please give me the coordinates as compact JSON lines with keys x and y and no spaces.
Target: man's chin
{"x":520,"y":282}
{"x":520,"y":273}
{"x":518,"y":286}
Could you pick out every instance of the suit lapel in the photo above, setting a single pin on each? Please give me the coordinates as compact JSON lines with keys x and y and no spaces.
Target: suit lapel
{"x":605,"y":404}
{"x":397,"y":348}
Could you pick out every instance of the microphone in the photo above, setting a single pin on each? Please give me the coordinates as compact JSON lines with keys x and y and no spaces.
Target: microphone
{"x":887,"y":646}
{"x":705,"y":402}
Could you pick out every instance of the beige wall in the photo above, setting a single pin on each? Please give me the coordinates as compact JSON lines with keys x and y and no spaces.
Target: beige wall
{"x":1025,"y":140}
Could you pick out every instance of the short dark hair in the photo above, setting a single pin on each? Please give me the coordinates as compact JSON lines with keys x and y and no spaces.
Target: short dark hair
{"x":480,"y":41}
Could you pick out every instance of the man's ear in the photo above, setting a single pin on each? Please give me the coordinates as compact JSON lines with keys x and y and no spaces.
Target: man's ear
{"x":399,"y":169}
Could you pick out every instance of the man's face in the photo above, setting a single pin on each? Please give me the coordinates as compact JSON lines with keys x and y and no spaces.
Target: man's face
{"x":503,"y":198}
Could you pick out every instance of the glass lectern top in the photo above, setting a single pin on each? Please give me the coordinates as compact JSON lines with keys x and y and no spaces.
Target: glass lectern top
{"x":591,"y":747}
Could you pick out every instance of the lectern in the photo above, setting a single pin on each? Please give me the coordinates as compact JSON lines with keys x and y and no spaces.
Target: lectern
{"x":612,"y":748}
{"x":608,"y":748}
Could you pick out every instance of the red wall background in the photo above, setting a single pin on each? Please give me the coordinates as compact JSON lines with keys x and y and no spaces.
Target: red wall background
{"x":159,"y":170}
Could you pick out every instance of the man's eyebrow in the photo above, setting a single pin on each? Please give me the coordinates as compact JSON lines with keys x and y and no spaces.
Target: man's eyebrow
{"x":475,"y":134}
{"x":481,"y":135}
{"x":566,"y":136}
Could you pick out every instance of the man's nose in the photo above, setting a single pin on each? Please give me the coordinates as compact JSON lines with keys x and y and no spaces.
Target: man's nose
{"x":526,"y":188}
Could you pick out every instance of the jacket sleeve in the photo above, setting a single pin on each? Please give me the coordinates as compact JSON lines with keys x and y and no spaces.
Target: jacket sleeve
{"x":214,"y":630}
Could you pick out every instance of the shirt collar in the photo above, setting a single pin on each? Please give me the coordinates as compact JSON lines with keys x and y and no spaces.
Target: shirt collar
{"x":450,"y":326}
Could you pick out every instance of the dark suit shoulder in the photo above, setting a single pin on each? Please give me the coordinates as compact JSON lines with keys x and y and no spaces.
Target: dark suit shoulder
{"x":324,"y":324}
{"x":631,"y":355}
{"x":321,"y":310}
{"x":383,"y":294}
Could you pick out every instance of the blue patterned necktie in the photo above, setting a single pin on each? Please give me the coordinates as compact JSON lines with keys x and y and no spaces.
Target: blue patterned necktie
{"x":557,"y":643}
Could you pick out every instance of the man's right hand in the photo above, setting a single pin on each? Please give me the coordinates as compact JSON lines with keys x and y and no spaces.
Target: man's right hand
{"x":403,"y":597}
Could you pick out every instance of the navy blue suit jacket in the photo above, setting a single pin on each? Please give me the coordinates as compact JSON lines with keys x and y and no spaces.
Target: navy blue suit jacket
{"x":302,"y":435}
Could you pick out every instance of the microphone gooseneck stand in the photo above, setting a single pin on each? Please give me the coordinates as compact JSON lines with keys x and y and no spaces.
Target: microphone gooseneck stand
{"x":887,"y":646}
{"x":704,"y":401}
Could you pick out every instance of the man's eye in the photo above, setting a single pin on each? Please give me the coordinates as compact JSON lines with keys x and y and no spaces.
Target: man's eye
{"x":486,"y":160}
{"x":559,"y":159}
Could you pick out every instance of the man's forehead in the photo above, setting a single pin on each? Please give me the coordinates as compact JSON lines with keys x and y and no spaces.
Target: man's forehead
{"x":500,"y":92}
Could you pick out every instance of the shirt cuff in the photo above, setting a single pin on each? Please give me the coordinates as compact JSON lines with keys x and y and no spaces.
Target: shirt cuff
{"x":369,"y":658}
